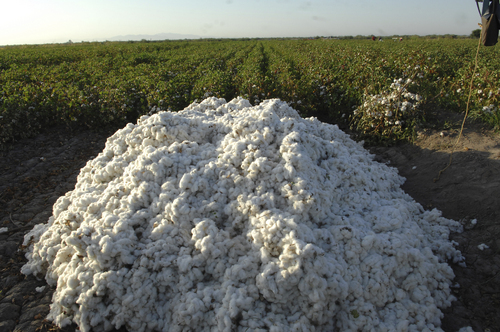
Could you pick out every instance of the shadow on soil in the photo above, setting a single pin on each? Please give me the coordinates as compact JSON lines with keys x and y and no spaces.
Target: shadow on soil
{"x":468,"y":189}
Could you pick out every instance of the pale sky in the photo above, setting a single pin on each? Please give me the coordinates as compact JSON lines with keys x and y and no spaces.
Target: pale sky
{"x":55,"y":21}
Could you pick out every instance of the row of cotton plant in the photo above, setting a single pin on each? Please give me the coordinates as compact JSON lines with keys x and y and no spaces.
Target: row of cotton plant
{"x":390,"y":114}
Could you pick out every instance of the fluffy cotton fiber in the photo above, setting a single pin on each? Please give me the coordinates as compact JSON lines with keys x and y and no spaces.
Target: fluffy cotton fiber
{"x":233,"y":217}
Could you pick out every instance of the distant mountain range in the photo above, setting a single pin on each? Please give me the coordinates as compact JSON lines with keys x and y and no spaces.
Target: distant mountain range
{"x":158,"y":36}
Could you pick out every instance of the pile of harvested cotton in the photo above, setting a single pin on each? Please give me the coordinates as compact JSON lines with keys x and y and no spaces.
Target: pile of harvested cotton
{"x":232,"y":217}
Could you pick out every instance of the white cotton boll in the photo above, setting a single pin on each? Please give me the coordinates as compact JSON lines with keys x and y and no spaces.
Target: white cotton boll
{"x":483,"y":246}
{"x":466,"y":329}
{"x":368,"y":241}
{"x":227,"y":216}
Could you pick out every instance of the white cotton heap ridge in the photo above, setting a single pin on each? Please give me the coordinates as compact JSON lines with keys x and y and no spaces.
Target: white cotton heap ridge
{"x":232,"y":217}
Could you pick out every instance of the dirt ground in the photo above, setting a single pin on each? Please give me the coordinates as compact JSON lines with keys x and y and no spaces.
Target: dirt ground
{"x":468,"y":189}
{"x":35,"y":172}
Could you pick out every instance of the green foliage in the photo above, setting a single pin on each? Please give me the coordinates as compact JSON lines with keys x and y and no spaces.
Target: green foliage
{"x":390,"y":115}
{"x":355,"y":313}
{"x":99,"y":84}
{"x":475,"y":33}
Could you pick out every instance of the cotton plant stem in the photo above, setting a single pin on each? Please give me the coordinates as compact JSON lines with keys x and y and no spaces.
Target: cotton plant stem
{"x":465,"y":117}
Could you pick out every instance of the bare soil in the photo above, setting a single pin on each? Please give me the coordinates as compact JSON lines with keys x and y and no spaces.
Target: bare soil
{"x":35,"y":172}
{"x":467,"y":190}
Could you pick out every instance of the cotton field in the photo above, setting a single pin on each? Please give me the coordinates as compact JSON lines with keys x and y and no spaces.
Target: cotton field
{"x":232,"y":217}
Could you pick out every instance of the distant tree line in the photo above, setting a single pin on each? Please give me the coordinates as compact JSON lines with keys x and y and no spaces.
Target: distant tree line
{"x":446,"y":36}
{"x":475,"y":33}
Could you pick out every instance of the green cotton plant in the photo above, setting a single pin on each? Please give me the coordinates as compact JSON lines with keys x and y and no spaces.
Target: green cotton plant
{"x":485,"y":98}
{"x":489,"y":114}
{"x":388,"y":116}
{"x":96,"y":84}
